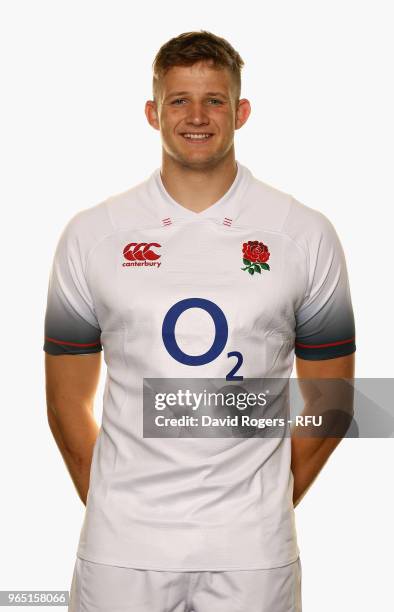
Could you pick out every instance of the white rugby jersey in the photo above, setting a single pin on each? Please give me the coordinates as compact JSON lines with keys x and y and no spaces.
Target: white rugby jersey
{"x":274,"y":272}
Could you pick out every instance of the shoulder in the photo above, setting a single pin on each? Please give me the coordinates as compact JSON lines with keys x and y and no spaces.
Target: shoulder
{"x":279,"y":211}
{"x":264,"y":205}
{"x":129,"y":208}
{"x":276,"y":210}
{"x":304,"y":221}
{"x":311,"y":229}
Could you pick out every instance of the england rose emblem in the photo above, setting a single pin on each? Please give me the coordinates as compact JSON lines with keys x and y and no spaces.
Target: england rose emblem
{"x":255,"y":256}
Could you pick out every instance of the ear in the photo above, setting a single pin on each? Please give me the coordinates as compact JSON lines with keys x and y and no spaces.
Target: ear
{"x":152,"y":114}
{"x":243,"y":112}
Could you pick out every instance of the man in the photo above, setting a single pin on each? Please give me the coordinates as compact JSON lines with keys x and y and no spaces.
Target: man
{"x":201,"y":272}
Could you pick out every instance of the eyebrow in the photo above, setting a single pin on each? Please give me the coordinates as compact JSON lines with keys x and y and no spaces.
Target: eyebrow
{"x":185,"y":93}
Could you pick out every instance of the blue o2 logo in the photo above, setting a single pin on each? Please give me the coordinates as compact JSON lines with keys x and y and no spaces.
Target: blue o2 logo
{"x":221,"y":335}
{"x":221,"y":331}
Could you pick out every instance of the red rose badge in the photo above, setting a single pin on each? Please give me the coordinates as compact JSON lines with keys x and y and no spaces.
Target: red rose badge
{"x":255,"y":256}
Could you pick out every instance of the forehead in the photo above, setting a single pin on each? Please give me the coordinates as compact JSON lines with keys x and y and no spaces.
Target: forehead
{"x":198,"y":78}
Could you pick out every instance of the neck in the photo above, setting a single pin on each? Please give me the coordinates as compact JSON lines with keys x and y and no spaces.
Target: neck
{"x":198,"y":188}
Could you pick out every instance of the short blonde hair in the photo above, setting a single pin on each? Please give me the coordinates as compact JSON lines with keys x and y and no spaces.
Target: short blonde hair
{"x":192,"y":47}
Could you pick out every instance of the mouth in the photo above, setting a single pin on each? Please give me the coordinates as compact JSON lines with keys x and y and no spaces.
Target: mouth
{"x":196,"y":137}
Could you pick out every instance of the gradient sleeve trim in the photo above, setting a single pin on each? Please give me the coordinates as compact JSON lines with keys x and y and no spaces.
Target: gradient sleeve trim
{"x":61,"y":347}
{"x":71,"y":326}
{"x":325,"y":351}
{"x":325,"y":326}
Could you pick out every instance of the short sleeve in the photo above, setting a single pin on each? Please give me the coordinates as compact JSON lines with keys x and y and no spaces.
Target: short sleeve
{"x":325,"y":326}
{"x":71,"y":326}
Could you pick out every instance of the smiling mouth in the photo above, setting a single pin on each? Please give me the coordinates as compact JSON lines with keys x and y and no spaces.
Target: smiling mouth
{"x":196,"y":136}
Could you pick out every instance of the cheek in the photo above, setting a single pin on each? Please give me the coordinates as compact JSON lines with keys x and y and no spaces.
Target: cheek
{"x":225,"y":120}
{"x":169,"y":123}
{"x":164,"y":123}
{"x":164,"y":119}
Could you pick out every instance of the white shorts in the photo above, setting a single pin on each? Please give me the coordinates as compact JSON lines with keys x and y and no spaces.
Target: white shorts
{"x":106,"y":588}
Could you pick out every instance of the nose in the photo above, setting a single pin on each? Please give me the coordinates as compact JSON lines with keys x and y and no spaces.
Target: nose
{"x":197,"y":114}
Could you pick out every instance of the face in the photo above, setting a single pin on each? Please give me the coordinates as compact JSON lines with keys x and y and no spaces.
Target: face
{"x":197,"y":113}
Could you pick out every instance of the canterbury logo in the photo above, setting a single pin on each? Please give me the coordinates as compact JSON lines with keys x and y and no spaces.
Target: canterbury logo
{"x":141,"y":254}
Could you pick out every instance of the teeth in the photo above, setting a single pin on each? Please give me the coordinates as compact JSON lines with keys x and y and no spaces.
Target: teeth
{"x":196,"y":136}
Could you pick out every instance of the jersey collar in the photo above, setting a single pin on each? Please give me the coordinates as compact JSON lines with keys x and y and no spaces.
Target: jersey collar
{"x":224,"y":211}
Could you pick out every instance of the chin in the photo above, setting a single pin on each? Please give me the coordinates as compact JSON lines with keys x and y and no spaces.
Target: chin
{"x":199,"y":161}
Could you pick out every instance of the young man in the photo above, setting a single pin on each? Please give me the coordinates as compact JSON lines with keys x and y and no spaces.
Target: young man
{"x":200,"y":272}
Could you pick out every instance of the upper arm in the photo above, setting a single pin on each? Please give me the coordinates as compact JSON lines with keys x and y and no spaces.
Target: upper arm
{"x":334,"y":369}
{"x":71,"y":380}
{"x":340,"y":367}
{"x":72,"y":331}
{"x":71,"y":323}
{"x":325,"y":327}
{"x":327,"y":392}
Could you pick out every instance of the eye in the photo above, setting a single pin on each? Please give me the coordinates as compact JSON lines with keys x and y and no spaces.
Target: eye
{"x":178,"y":101}
{"x":215,"y":101}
